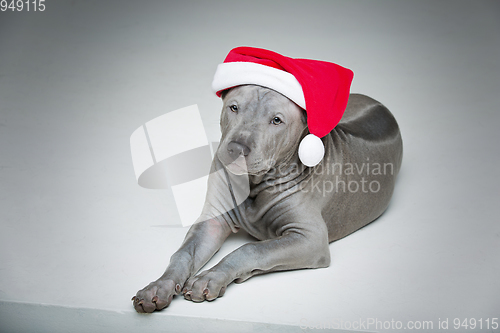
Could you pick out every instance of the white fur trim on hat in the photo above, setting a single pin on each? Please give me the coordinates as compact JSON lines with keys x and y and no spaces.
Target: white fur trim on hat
{"x":232,"y":74}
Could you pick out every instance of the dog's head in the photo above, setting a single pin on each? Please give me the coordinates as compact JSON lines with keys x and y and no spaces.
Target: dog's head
{"x":260,"y":129}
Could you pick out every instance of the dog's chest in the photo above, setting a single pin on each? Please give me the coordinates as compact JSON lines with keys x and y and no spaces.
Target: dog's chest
{"x":263,"y":216}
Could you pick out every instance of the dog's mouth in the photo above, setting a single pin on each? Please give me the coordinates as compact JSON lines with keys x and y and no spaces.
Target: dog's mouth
{"x":238,"y":166}
{"x":242,"y":166}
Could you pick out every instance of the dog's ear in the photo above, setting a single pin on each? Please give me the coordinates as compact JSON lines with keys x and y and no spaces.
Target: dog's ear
{"x":303,"y":116}
{"x":224,"y":93}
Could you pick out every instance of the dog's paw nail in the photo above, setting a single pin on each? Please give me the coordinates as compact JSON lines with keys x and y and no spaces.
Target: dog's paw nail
{"x":184,"y":290}
{"x":177,"y":288}
{"x":155,"y":299}
{"x":141,"y":302}
{"x":206,"y":291}
{"x":134,"y":298}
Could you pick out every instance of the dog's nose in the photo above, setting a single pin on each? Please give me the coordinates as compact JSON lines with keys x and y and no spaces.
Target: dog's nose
{"x":236,"y":149}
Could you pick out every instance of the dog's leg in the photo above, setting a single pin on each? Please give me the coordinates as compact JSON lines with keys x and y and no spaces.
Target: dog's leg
{"x":203,"y":240}
{"x":302,"y":245}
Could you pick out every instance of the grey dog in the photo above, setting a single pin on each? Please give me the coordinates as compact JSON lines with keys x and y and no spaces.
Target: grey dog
{"x":292,"y":210}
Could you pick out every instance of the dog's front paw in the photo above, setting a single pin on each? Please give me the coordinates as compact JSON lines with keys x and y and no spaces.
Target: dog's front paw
{"x":156,"y":296}
{"x":207,"y":285}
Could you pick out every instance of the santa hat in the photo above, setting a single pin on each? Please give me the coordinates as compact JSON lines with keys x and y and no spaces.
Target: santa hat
{"x":319,"y":87}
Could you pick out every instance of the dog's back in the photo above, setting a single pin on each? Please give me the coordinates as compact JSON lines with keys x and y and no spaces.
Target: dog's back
{"x":365,"y":153}
{"x":368,"y":119}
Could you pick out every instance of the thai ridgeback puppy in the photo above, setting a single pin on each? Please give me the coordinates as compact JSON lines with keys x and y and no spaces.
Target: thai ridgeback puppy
{"x":293,"y":211}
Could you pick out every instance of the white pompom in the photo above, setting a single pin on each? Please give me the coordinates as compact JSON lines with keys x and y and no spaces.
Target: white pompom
{"x":311,"y":150}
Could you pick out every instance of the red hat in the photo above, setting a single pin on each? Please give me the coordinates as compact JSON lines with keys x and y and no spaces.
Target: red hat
{"x":319,"y":87}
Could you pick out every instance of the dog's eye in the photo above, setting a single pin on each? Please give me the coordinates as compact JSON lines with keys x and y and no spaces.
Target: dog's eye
{"x":276,"y":121}
{"x":234,"y":108}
